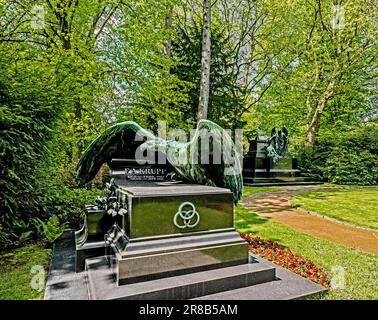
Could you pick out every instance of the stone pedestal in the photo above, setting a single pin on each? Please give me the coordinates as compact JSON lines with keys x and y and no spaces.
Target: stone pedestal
{"x":173,"y":229}
{"x":260,"y":169}
{"x":89,"y":240}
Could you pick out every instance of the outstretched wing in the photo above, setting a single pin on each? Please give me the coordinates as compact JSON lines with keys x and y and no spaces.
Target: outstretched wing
{"x":224,"y":168}
{"x":116,"y":141}
{"x":119,"y":141}
{"x":210,"y":158}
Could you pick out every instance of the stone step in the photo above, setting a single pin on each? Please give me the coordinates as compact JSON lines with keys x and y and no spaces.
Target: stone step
{"x":288,"y":183}
{"x":62,"y":281}
{"x":288,"y":286}
{"x":102,"y":285}
{"x":181,"y":242}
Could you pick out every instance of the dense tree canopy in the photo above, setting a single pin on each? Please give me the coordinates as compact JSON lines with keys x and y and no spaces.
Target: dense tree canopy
{"x":70,"y":68}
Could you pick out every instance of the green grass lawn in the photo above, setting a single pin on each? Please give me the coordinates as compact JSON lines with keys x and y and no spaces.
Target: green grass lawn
{"x":361,"y":272}
{"x":15,"y":271}
{"x":358,"y":207}
{"x":249,"y":191}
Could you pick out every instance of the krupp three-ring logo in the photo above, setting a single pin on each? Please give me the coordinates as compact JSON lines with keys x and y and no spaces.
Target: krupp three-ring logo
{"x":188,"y":218}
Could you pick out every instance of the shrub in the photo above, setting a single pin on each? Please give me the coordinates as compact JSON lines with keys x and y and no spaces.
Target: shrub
{"x":65,"y":204}
{"x":68,"y":204}
{"x":52,"y":229}
{"x":30,"y":107}
{"x":346,"y":158}
{"x":351,"y":167}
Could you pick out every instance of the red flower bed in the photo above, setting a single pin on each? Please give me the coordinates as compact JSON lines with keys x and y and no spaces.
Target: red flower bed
{"x":287,"y":259}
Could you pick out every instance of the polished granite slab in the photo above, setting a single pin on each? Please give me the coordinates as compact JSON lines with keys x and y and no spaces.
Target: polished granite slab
{"x":186,"y":286}
{"x":158,"y":209}
{"x":167,"y":188}
{"x":161,"y":258}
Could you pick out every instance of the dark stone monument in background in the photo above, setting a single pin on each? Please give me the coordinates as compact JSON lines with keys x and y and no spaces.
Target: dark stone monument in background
{"x":268,"y":162}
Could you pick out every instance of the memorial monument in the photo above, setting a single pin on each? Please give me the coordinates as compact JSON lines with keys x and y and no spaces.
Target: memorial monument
{"x":161,"y":218}
{"x":164,"y":227}
{"x":268,"y":161}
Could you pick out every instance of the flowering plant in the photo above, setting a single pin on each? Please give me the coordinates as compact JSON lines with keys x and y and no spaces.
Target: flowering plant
{"x":287,"y":259}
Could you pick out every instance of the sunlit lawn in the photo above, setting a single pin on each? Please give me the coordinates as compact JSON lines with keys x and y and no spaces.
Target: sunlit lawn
{"x":15,"y":271}
{"x":359,"y":207}
{"x":249,"y":191}
{"x":361,"y":272}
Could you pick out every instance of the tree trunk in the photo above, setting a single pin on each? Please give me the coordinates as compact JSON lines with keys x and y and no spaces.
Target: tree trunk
{"x":205,"y":62}
{"x":313,"y":126}
{"x":168,"y":25}
{"x":311,"y":134}
{"x":167,"y":52}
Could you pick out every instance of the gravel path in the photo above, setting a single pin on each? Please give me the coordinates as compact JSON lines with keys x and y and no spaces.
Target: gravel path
{"x":276,"y":205}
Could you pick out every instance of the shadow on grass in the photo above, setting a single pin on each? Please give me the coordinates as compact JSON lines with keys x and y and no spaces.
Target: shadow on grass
{"x":245,"y":220}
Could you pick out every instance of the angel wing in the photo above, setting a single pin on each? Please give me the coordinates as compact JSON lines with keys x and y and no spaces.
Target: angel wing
{"x":210,"y":157}
{"x":116,"y":141}
{"x":225,"y":171}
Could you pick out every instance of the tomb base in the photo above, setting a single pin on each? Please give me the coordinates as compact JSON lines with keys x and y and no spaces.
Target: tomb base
{"x":149,"y":259}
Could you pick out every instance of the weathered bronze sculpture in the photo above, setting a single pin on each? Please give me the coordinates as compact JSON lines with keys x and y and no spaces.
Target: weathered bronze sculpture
{"x":277,"y":144}
{"x":168,"y":208}
{"x":119,"y":141}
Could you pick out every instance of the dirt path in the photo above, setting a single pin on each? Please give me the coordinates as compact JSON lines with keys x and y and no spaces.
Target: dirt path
{"x":276,"y":206}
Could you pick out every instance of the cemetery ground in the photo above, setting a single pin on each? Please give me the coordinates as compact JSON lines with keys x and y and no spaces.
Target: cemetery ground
{"x":361,"y":273}
{"x":353,"y":205}
{"x":15,"y":271}
{"x":342,"y":205}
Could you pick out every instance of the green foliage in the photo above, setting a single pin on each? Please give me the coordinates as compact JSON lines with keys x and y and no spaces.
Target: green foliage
{"x":139,"y":84}
{"x":48,"y":84}
{"x":354,"y":166}
{"x":52,"y":229}
{"x":18,"y":233}
{"x":336,"y":65}
{"x":15,"y":275}
{"x":344,"y":158}
{"x":223,"y":103}
{"x":27,"y":118}
{"x":68,"y":204}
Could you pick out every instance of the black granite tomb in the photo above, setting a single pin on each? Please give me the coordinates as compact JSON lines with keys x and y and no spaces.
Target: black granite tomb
{"x":151,"y":226}
{"x":268,"y":162}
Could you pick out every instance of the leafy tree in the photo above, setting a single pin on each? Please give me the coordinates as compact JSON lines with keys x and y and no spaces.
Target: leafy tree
{"x":28,"y":102}
{"x":187,"y":48}
{"x":333,"y":82}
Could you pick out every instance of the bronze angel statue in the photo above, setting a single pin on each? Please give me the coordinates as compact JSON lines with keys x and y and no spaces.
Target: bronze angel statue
{"x":277,"y":144}
{"x":122,"y":140}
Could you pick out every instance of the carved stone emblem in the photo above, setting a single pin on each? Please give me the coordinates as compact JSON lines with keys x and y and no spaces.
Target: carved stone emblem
{"x":186,"y":216}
